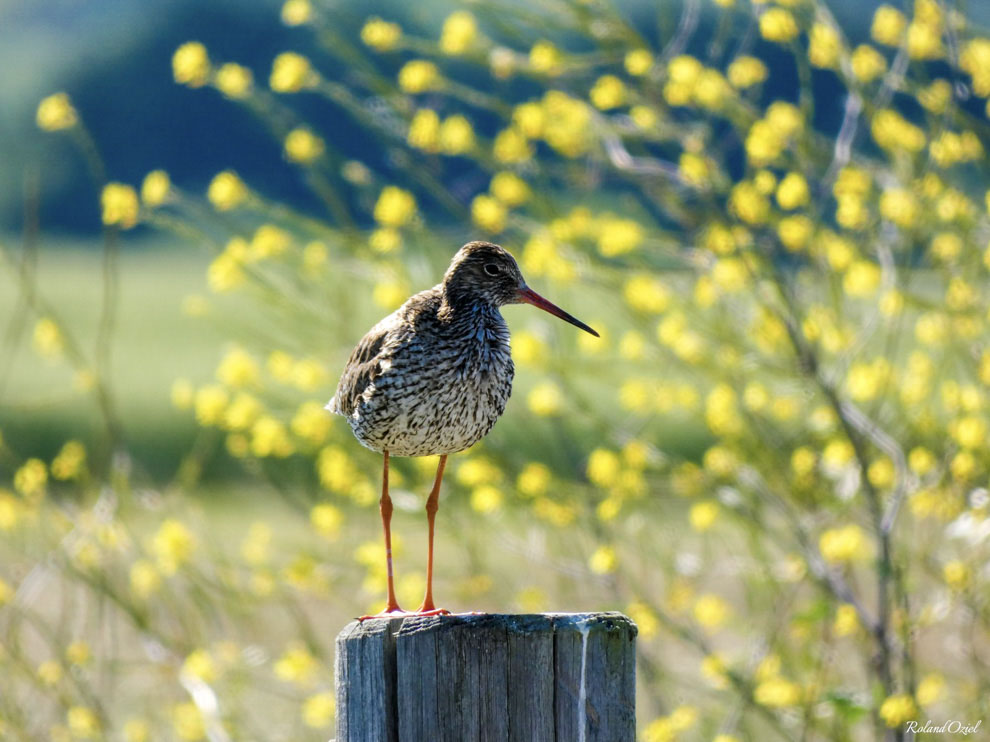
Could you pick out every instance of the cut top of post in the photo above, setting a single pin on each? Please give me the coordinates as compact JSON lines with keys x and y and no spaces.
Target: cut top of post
{"x":555,"y":677}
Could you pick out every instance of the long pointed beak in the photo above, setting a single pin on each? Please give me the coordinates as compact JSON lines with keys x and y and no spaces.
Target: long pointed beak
{"x":528,"y":296}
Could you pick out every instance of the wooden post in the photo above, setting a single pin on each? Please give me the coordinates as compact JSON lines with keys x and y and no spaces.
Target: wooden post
{"x":555,"y":677}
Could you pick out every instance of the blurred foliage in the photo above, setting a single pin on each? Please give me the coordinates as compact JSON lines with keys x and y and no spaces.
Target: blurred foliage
{"x":808,"y":304}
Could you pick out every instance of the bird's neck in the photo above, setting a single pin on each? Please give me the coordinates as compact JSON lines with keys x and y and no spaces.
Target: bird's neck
{"x":468,"y":314}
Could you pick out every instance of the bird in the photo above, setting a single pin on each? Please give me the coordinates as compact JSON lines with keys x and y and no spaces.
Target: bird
{"x":432,"y":378}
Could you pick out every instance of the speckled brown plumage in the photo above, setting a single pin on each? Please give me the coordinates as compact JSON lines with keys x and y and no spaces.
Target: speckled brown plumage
{"x":434,"y":376}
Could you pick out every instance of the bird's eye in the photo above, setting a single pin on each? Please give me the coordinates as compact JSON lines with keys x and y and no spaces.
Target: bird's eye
{"x":491,"y":269}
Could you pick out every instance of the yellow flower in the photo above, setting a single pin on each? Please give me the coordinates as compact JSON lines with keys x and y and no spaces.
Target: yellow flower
{"x":644,"y":117}
{"x":311,"y":422}
{"x":30,"y":479}
{"x":238,"y":369}
{"x":619,"y":236}
{"x":459,"y":32}
{"x":296,"y":665}
{"x":895,"y":710}
{"x":746,"y":71}
{"x":862,"y":279}
{"x":381,"y":35}
{"x":888,"y":25}
{"x":296,"y":12}
{"x":824,"y":46}
{"x":545,"y":58}
{"x":191,"y":65}
{"x":318,"y":710}
{"x":924,"y":40}
{"x":975,"y":59}
{"x":795,"y":231}
{"x":608,"y":92}
{"x":120,"y":205}
{"x":173,"y":545}
{"x":234,"y":81}
{"x":70,"y":462}
{"x":638,"y":62}
{"x":424,"y":130}
{"x":792,"y":191}
{"x":155,"y":188}
{"x":303,"y":146}
{"x":395,"y":207}
{"x":314,"y":256}
{"x":545,"y":399}
{"x":748,"y":204}
{"x":534,"y":479}
{"x":930,"y":689}
{"x":199,"y":663}
{"x":226,"y":191}
{"x":56,"y":113}
{"x":136,"y":730}
{"x":509,"y":188}
{"x":486,"y":499}
{"x":711,"y":611}
{"x":567,"y":123}
{"x":327,"y":520}
{"x":604,"y":467}
{"x":488,"y":213}
{"x":269,"y":438}
{"x":777,"y":692}
{"x":511,"y":146}
{"x":418,"y":76}
{"x":144,"y":579}
{"x":256,"y":545}
{"x":893,"y":132}
{"x":389,"y":294}
{"x":899,"y":206}
{"x":456,"y":136}
{"x":777,"y":24}
{"x":49,"y":672}
{"x":603,"y":560}
{"x":694,"y":169}
{"x":646,"y":293}
{"x":188,"y":722}
{"x":83,"y":722}
{"x":291,"y":73}
{"x":703,"y":515}
{"x":867,"y":63}
{"x":47,"y":338}
{"x":846,"y":620}
{"x":956,"y":574}
{"x":844,"y":544}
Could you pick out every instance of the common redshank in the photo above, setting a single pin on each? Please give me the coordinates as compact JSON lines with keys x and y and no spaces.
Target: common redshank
{"x":434,"y":376}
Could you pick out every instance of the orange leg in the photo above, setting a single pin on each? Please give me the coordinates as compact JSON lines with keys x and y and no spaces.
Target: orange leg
{"x":432,"y":505}
{"x":385,"y":505}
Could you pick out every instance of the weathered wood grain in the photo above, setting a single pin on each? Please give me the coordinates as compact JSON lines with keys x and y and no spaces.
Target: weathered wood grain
{"x":487,"y":677}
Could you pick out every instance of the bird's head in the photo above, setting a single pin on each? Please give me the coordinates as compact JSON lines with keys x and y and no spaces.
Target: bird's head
{"x":482,"y":272}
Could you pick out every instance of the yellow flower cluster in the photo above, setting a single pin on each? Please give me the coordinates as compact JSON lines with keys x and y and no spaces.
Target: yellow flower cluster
{"x":120,"y":205}
{"x":608,"y":92}
{"x":227,"y":191}
{"x":745,"y":72}
{"x":395,"y":207}
{"x":234,"y":81}
{"x":778,"y":24}
{"x":291,"y":73}
{"x":844,"y":544}
{"x":296,"y":12}
{"x":56,"y":112}
{"x":824,"y":46}
{"x":191,"y":65}
{"x":419,"y":75}
{"x":690,"y":82}
{"x":453,"y":136}
{"x":867,"y":63}
{"x":173,"y":545}
{"x":769,"y":136}
{"x":459,"y":33}
{"x":303,"y":146}
{"x":382,"y":36}
{"x":893,"y":132}
{"x":975,"y":60}
{"x":156,"y":188}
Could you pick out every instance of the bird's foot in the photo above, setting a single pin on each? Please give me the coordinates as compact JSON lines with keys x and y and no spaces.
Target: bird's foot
{"x":389,"y":611}
{"x":425,"y":610}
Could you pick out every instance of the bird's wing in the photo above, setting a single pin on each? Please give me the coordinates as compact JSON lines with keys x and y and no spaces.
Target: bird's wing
{"x":362,"y":368}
